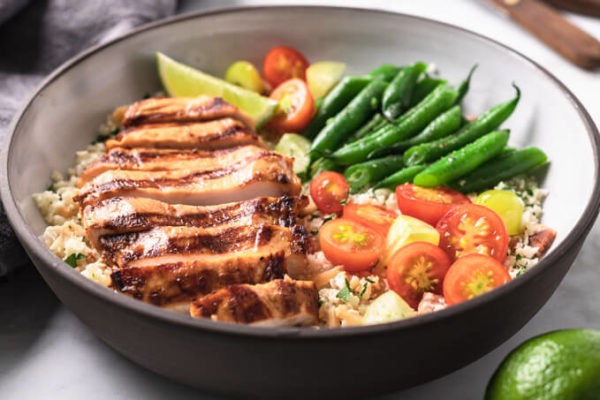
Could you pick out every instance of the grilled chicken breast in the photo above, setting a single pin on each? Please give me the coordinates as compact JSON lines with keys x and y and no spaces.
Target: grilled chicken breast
{"x":148,"y":159}
{"x":134,"y":214}
{"x":173,"y":244}
{"x":264,"y":174}
{"x":216,"y":134}
{"x":276,"y":303}
{"x":174,"y":285}
{"x":182,"y":109}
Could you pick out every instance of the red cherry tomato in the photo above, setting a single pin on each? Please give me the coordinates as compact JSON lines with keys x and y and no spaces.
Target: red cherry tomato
{"x":296,"y":107}
{"x":417,"y":268}
{"x":375,"y":217}
{"x":327,"y":190}
{"x":283,"y":63}
{"x":473,"y":229}
{"x":471,"y":276}
{"x":427,"y":204}
{"x":348,"y":243}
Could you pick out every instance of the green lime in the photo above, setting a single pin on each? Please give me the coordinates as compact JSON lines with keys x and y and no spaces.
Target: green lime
{"x":322,"y":76}
{"x":561,"y":365}
{"x":296,"y":146}
{"x":184,"y":81}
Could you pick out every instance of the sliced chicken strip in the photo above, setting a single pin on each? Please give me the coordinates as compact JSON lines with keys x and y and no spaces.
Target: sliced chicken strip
{"x":176,"y":284}
{"x":166,"y":245}
{"x":276,"y":303}
{"x":182,"y":109}
{"x":148,"y":159}
{"x":133,"y":214}
{"x":217,"y":134}
{"x":265,"y":174}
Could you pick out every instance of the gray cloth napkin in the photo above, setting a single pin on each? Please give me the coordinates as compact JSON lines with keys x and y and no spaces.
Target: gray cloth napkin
{"x":36,"y":37}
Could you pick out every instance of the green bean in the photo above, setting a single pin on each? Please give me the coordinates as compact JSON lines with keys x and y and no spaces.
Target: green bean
{"x":413,"y":121}
{"x":373,"y":124}
{"x":405,"y":175}
{"x":386,"y":72}
{"x":463,"y":160}
{"x":396,"y":98}
{"x":335,"y":101}
{"x":463,"y":88}
{"x":359,"y":110}
{"x":367,"y":173}
{"x":424,"y":87}
{"x":485,"y":123}
{"x":501,"y":168}
{"x":322,"y":165}
{"x":442,"y":126}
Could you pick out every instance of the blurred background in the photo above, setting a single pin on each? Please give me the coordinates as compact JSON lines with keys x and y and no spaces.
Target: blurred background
{"x":45,"y":352}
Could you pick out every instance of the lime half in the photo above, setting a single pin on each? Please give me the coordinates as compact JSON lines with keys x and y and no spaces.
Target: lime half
{"x":559,"y":365}
{"x":296,"y":146}
{"x":180,"y":80}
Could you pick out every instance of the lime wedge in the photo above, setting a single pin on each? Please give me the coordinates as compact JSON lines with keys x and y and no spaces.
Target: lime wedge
{"x":322,"y":76}
{"x":296,"y":146}
{"x":180,"y":80}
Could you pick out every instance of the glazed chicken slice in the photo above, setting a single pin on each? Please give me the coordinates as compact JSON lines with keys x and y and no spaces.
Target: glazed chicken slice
{"x":173,"y":244}
{"x":182,"y":109}
{"x":133,"y":214}
{"x":148,"y":159}
{"x":176,"y":284}
{"x":217,"y":134}
{"x":264,"y":174}
{"x":276,"y":303}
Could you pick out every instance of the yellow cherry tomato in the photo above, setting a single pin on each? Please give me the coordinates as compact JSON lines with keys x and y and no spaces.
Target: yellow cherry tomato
{"x":507,"y":205}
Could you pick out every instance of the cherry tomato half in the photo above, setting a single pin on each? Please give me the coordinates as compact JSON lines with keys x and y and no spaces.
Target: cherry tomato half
{"x":473,"y":229}
{"x":283,"y":63}
{"x":327,"y":190}
{"x":296,"y":107}
{"x":471,"y":276}
{"x":415,"y":269}
{"x":348,"y":243}
{"x":375,"y":217}
{"x":427,"y":204}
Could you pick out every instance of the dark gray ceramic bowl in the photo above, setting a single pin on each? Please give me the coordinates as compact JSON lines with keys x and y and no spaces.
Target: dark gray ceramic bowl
{"x":63,"y":113}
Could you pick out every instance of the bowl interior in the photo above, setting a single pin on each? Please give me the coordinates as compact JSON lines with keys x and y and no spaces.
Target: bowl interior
{"x":65,"y":115}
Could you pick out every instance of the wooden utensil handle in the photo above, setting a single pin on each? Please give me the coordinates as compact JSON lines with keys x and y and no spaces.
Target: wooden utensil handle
{"x":585,"y":7}
{"x":554,"y":30}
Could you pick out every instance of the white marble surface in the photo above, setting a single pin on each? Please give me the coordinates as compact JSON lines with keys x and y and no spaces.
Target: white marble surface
{"x":46,"y":353}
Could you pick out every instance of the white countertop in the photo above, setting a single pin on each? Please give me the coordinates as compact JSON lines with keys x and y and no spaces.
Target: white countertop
{"x":46,"y":353}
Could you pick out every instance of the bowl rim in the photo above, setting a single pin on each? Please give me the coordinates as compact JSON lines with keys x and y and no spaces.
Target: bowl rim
{"x":40,"y":251}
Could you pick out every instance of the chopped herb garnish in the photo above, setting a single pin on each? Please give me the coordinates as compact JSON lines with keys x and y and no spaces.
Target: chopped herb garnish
{"x":364,"y":289}
{"x":344,"y":294}
{"x":73,"y":257}
{"x":530,"y":192}
{"x":314,"y":216}
{"x":314,"y":233}
{"x":321,"y":302}
{"x":369,"y":280}
{"x":115,"y":131}
{"x":329,"y":217}
{"x":518,"y":257}
{"x":51,"y":188}
{"x":343,"y":202}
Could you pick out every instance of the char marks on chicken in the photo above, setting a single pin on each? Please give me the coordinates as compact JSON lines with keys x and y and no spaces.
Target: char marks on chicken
{"x":187,"y":205}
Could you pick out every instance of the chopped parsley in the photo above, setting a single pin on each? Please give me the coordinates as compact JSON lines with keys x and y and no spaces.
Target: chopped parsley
{"x":343,"y":202}
{"x":364,"y":289}
{"x":321,"y":302}
{"x":329,"y":217}
{"x":314,"y":232}
{"x":73,"y":257}
{"x":345,"y":293}
{"x":51,"y":188}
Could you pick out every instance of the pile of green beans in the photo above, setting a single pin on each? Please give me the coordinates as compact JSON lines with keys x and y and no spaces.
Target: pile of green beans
{"x":397,"y":125}
{"x":369,"y":172}
{"x":417,"y":118}
{"x":487,"y":122}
